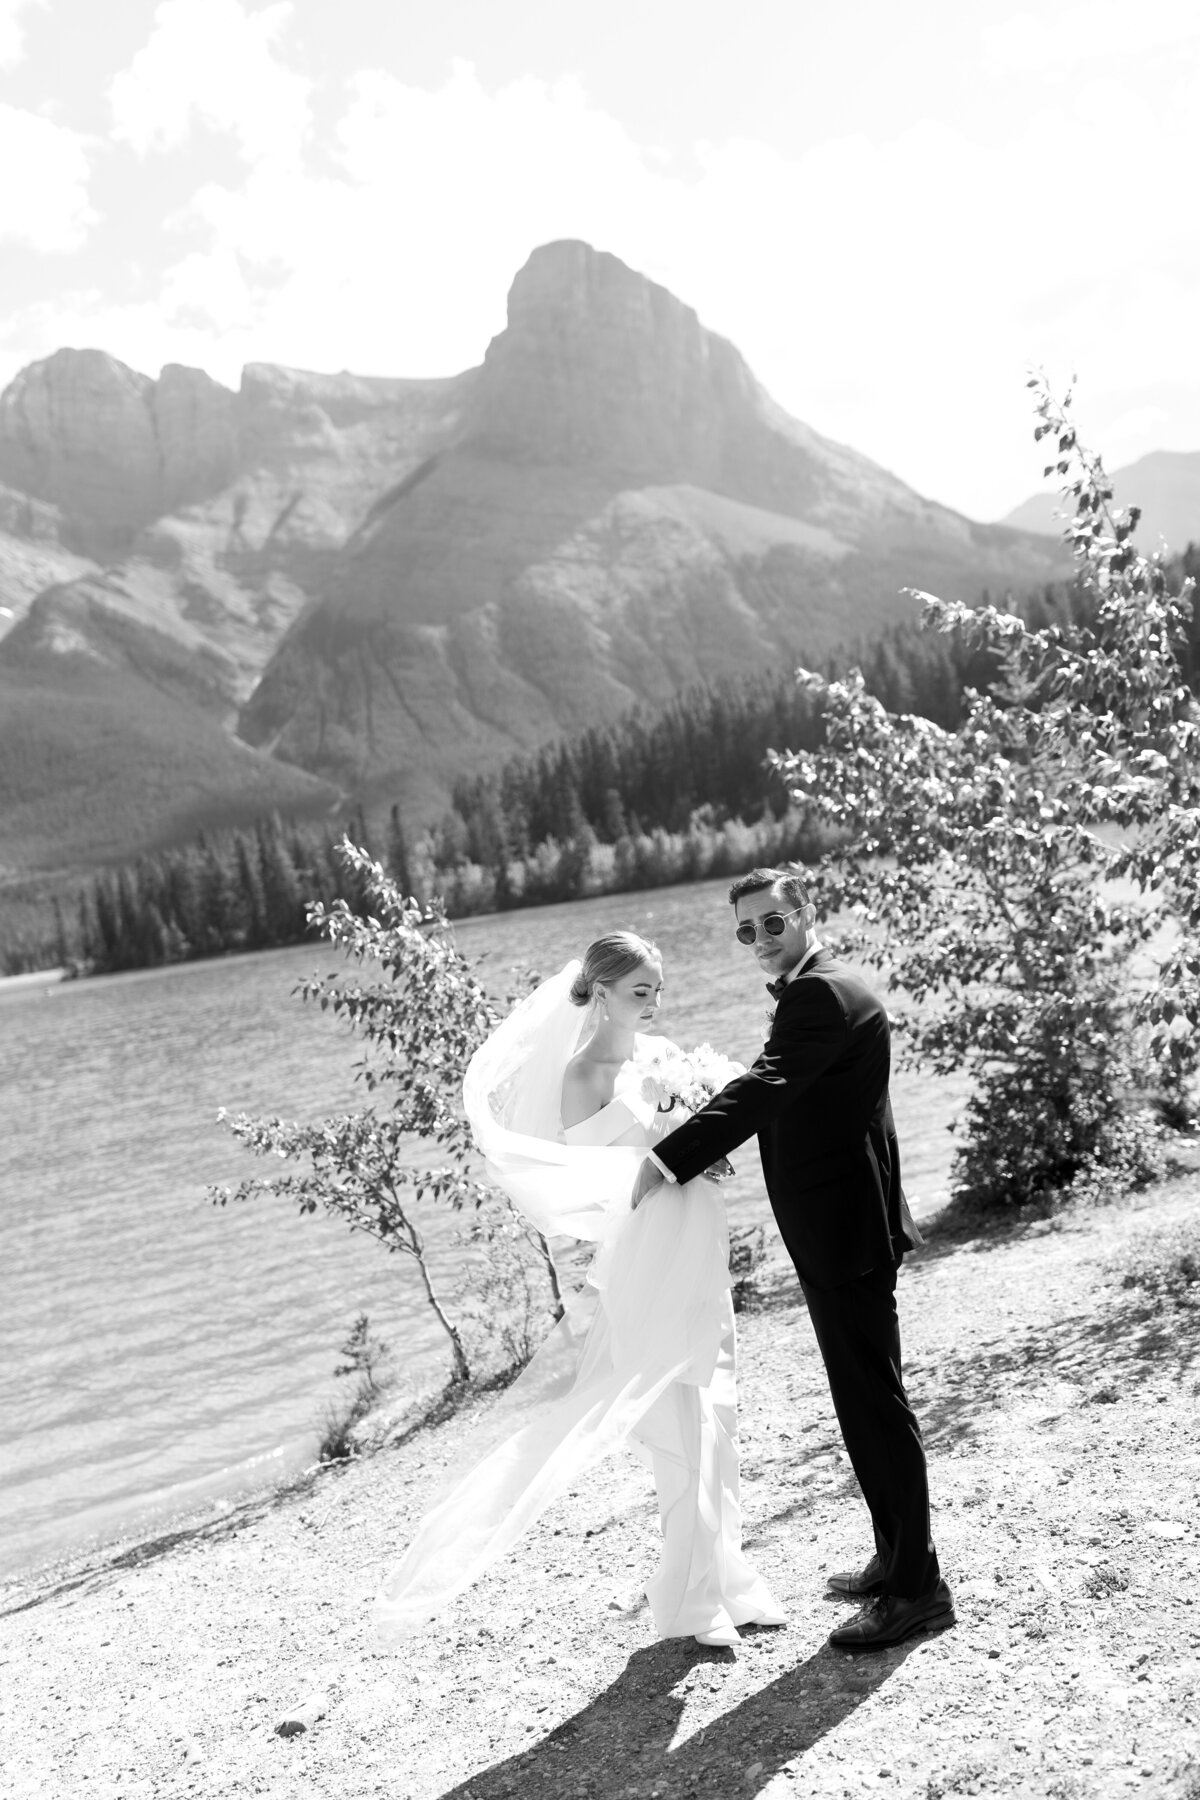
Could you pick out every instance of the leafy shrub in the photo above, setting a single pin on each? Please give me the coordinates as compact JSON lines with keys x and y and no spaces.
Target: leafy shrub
{"x":1164,"y":1268}
{"x":502,"y":1302}
{"x":338,"y":1442}
{"x":1055,"y":1122}
{"x":1133,"y":1151}
{"x":981,"y":862}
{"x":362,"y":1357}
{"x":419,"y":1024}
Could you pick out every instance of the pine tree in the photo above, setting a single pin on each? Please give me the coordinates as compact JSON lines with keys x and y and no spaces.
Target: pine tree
{"x":62,"y":948}
{"x":612,"y":816}
{"x":222,"y":901}
{"x":89,"y":934}
{"x":184,"y":906}
{"x":249,"y":881}
{"x":283,"y":903}
{"x":398,"y":866}
{"x":131,"y":939}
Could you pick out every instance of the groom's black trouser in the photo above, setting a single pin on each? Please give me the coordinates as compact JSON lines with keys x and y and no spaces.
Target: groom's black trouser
{"x":858,"y":1331}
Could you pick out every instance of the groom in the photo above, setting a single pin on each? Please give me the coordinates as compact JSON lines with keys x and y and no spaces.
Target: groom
{"x":818,"y":1099}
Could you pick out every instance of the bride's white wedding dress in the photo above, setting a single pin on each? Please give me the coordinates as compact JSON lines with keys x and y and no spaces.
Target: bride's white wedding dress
{"x":645,"y":1356}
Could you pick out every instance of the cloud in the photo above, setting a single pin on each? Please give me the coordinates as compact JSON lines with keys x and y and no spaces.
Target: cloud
{"x":890,"y":292}
{"x":1046,"y":43}
{"x":401,"y":252}
{"x":12,"y":43}
{"x":212,"y":62}
{"x":47,"y":206}
{"x":900,"y":288}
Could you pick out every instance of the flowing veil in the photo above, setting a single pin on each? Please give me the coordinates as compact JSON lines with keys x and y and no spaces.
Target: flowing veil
{"x":512,"y":1092}
{"x":649,"y":1316}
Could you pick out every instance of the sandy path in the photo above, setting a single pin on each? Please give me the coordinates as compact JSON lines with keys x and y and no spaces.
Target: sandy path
{"x":1065,"y":1461}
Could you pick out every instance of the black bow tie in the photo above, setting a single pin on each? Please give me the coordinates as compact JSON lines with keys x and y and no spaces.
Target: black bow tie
{"x":775,"y":988}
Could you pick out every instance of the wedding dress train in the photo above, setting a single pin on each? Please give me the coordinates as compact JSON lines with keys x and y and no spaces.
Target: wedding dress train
{"x":645,"y":1356}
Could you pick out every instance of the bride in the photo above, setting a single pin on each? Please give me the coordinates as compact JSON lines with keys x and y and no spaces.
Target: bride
{"x":563,"y":1107}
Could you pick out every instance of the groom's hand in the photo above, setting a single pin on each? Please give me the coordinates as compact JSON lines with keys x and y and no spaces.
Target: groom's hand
{"x":649,"y":1176}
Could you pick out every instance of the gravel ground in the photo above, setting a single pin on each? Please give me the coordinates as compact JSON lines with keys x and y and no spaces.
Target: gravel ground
{"x":1061,"y":1417}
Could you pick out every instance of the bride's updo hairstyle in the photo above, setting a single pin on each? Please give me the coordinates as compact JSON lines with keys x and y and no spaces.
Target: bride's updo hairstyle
{"x":615,"y":954}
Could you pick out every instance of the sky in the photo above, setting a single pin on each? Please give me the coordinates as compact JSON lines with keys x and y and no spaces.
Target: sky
{"x":893,"y":211}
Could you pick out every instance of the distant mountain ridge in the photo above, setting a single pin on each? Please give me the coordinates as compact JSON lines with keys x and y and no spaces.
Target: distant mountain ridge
{"x":1164,"y":483}
{"x":621,"y":511}
{"x":338,"y":584}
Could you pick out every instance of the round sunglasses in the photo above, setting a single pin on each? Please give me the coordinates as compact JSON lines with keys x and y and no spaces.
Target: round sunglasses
{"x":772,"y":923}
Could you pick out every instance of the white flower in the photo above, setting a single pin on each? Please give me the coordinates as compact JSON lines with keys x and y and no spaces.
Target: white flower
{"x":691,"y":1078}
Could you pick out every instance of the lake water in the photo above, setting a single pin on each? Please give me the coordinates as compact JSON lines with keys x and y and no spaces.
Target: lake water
{"x":158,"y":1353}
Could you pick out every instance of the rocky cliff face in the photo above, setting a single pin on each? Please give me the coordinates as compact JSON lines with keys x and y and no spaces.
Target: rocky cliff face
{"x":619,"y":511}
{"x":193,"y":420}
{"x":386,"y":583}
{"x":600,"y":368}
{"x":33,"y":554}
{"x":110,"y":448}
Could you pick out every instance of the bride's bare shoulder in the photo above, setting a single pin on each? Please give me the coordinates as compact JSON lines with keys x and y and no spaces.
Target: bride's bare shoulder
{"x":584,"y":1089}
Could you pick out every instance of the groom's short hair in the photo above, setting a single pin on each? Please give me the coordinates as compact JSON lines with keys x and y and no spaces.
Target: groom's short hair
{"x":788,"y":879}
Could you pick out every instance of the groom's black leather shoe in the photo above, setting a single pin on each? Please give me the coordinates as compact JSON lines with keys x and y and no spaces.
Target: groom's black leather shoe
{"x":889,"y":1620}
{"x":853,"y":1586}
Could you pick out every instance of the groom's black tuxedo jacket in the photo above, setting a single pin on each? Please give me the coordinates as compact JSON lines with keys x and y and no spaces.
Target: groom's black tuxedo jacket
{"x":818,"y":1099}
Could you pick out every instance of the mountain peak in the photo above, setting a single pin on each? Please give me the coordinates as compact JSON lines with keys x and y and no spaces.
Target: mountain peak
{"x":112,"y":447}
{"x":569,"y":280}
{"x":599,"y":365}
{"x":1163,"y":484}
{"x":83,"y":367}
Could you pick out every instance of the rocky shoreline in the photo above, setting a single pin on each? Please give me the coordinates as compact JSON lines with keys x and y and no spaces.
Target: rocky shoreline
{"x":235,"y":1657}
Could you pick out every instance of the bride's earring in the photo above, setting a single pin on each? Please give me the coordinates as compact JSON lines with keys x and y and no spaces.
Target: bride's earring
{"x":602,"y":1003}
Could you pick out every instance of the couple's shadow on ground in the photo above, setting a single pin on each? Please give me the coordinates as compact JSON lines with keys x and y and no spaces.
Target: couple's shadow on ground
{"x":622,"y":1743}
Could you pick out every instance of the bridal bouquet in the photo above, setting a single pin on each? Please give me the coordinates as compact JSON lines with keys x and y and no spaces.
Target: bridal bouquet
{"x":689,"y":1077}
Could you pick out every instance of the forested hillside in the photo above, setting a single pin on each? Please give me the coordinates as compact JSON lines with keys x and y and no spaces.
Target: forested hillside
{"x":650,"y":799}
